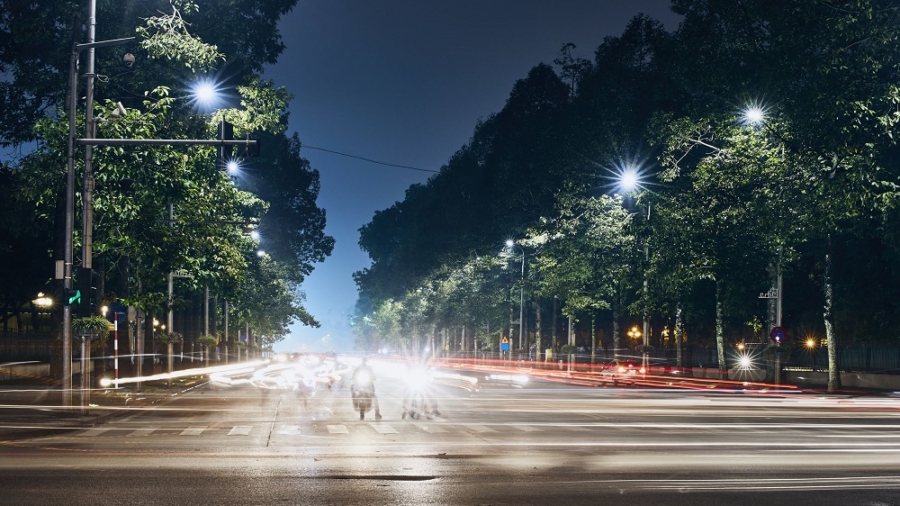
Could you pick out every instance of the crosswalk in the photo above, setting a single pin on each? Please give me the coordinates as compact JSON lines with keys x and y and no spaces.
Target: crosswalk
{"x":329,"y":429}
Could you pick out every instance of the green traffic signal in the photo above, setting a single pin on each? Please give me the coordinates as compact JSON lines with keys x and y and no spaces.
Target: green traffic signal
{"x":72,"y":297}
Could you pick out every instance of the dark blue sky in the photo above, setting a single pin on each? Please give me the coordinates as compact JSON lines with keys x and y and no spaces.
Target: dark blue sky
{"x":404,"y":81}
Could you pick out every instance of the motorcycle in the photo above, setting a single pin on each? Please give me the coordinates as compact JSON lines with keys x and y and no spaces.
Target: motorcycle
{"x":362,"y":392}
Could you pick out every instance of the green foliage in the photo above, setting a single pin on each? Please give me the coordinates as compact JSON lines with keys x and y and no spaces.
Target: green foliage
{"x":568,"y":349}
{"x":208,"y":340}
{"x":136,"y":186}
{"x":167,"y":37}
{"x":170,"y":337}
{"x":724,"y":203}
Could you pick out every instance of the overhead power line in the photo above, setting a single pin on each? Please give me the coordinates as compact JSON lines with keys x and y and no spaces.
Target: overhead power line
{"x":388,"y":164}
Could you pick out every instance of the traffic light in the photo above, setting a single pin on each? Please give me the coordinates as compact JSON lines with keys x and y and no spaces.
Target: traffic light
{"x":71,"y":297}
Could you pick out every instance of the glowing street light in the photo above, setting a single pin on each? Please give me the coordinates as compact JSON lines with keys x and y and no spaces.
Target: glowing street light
{"x":754,"y":115}
{"x":206,"y":94}
{"x":629,"y":180}
{"x":42,"y":301}
{"x":634,"y":332}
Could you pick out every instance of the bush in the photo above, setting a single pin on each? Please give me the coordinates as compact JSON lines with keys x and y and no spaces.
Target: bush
{"x":97,"y":327}
{"x":208,"y":340}
{"x":170,"y":337}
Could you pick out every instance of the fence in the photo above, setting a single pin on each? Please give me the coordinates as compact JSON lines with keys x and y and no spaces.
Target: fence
{"x":25,"y":346}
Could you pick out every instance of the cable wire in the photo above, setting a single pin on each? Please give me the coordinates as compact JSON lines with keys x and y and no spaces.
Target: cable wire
{"x":369,"y":159}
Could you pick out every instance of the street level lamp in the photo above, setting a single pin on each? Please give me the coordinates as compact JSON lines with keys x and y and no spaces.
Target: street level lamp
{"x":511,"y":244}
{"x":634,"y":333}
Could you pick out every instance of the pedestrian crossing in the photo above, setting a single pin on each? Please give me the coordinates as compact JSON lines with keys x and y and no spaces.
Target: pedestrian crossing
{"x":329,"y":429}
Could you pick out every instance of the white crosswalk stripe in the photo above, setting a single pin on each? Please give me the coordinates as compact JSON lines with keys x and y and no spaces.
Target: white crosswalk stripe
{"x":192,"y":431}
{"x":240,"y":430}
{"x":338,"y":429}
{"x":383,"y":428}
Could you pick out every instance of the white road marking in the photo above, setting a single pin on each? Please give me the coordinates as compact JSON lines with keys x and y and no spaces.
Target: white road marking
{"x":338,"y":429}
{"x":383,"y":428}
{"x":240,"y":430}
{"x":193,"y":431}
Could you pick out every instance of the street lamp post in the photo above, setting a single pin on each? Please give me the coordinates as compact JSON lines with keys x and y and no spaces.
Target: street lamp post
{"x":630,"y":181}
{"x":511,"y":244}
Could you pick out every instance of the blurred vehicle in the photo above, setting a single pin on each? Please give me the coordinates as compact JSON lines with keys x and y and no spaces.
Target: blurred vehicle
{"x":620,"y":370}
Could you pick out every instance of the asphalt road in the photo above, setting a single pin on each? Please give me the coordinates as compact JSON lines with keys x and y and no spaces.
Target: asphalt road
{"x":543,"y":443}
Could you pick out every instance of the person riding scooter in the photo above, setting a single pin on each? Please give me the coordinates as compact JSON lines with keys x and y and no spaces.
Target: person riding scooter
{"x":363,"y":382}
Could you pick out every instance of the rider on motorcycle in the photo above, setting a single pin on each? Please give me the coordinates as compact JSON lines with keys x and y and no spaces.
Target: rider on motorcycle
{"x":365,"y":369}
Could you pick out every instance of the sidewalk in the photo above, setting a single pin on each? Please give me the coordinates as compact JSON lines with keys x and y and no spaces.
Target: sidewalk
{"x":30,"y":408}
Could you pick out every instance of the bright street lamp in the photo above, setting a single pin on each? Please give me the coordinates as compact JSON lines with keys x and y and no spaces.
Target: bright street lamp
{"x":511,"y":244}
{"x":206,"y":94}
{"x":754,"y":115}
{"x":634,"y":333}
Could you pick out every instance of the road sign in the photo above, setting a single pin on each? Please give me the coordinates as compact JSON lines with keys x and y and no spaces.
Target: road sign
{"x":504,"y":344}
{"x":778,"y":335}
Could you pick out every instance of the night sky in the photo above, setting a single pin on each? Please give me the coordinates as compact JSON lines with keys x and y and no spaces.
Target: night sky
{"x":405,"y":81}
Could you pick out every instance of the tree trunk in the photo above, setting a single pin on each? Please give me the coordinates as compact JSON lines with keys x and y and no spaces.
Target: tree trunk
{"x":834,"y":371}
{"x":679,"y":332}
{"x":555,"y":310}
{"x":617,"y":342}
{"x":720,"y":328}
{"x":593,"y":338}
{"x":537,"y":329}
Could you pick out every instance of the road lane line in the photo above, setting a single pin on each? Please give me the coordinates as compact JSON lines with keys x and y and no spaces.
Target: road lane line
{"x":193,"y":431}
{"x":240,"y":430}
